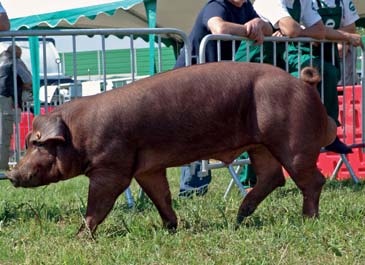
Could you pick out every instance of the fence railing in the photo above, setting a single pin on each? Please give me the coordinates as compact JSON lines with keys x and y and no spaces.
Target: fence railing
{"x":160,"y":33}
{"x":43,"y":35}
{"x":219,"y":38}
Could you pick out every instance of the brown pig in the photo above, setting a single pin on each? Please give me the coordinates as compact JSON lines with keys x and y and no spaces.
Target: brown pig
{"x":209,"y":111}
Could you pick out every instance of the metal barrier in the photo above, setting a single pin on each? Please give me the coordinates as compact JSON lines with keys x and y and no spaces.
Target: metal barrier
{"x":90,"y":32}
{"x":160,"y":32}
{"x":206,"y":165}
{"x":73,"y":33}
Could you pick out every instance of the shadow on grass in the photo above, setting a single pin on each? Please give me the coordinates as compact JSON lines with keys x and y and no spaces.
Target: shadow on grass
{"x":10,"y":212}
{"x":350,"y":184}
{"x":329,"y":186}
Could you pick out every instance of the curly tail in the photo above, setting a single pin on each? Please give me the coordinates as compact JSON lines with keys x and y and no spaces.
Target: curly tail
{"x":310,"y":75}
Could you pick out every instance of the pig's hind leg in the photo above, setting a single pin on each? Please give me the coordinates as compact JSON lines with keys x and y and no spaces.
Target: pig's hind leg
{"x":156,"y":186}
{"x":269,"y":177}
{"x":303,"y":170}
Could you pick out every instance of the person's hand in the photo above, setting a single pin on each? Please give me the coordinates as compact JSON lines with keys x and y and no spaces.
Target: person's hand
{"x":342,"y":49}
{"x":355,"y":40}
{"x":278,"y":33}
{"x":254,"y":30}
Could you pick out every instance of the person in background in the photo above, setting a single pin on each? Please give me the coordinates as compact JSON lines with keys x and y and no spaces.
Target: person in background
{"x":4,"y":25}
{"x":301,"y":18}
{"x":7,"y":97}
{"x":341,"y":15}
{"x":288,"y":18}
{"x":236,"y":17}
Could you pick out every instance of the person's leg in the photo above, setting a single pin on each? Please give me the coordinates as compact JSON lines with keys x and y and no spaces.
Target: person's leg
{"x":191,"y":180}
{"x":6,"y":130}
{"x":247,"y":175}
{"x":185,"y":177}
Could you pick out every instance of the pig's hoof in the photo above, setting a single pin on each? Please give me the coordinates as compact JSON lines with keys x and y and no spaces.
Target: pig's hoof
{"x":171,"y":227}
{"x":244,"y":212}
{"x":239,"y":220}
{"x":85,"y":234}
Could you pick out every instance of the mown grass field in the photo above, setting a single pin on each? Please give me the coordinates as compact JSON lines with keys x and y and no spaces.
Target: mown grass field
{"x":38,"y":226}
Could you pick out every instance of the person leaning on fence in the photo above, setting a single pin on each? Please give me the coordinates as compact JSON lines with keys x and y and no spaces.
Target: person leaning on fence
{"x":283,"y":16}
{"x":7,"y":106}
{"x":342,"y":15}
{"x":299,"y":18}
{"x":236,"y":17}
{"x":339,"y":17}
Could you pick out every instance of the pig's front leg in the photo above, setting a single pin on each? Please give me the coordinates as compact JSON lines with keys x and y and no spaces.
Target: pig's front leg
{"x":103,"y":192}
{"x":155,"y":185}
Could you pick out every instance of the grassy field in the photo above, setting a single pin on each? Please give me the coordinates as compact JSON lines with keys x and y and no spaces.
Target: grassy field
{"x":38,"y":226}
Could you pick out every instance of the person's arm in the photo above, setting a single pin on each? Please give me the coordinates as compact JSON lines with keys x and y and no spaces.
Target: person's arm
{"x":290,"y":28}
{"x":254,"y":29}
{"x":4,"y":22}
{"x":317,"y":31}
{"x":351,"y":38}
{"x":259,"y":24}
{"x":219,"y":26}
{"x":349,"y":28}
{"x":349,"y":31}
{"x":24,"y":74}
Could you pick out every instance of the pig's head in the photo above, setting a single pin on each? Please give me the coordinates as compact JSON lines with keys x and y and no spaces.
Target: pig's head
{"x":48,"y":157}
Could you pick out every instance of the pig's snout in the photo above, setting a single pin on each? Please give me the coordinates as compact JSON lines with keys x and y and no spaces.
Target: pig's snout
{"x":11,"y":175}
{"x":18,"y":179}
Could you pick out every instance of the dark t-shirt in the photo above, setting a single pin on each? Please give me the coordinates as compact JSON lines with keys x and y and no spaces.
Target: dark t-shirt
{"x":7,"y":79}
{"x":229,"y":13}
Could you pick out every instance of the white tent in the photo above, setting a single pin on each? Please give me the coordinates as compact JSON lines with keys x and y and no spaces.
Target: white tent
{"x":40,"y":14}
{"x":102,"y":13}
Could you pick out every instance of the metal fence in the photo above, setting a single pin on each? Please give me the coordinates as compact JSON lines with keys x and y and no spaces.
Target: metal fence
{"x":23,"y":118}
{"x":237,"y":164}
{"x":275,"y":41}
{"x":75,"y":83}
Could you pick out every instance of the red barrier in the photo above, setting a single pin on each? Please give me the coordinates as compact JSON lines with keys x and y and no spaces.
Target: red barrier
{"x":349,"y":132}
{"x":25,"y":125}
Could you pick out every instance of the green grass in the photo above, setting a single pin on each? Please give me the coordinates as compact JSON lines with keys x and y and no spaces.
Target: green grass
{"x":38,"y":226}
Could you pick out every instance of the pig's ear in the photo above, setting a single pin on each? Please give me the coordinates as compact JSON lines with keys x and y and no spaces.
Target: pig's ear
{"x":47,"y":128}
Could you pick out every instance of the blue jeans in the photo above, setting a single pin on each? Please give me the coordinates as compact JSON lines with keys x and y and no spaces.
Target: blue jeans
{"x":192,"y":180}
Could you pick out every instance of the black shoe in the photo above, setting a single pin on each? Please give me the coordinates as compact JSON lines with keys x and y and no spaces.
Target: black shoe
{"x":338,"y":147}
{"x":186,"y":193}
{"x":201,"y":191}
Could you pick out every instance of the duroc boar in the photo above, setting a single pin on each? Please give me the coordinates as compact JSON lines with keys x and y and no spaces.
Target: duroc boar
{"x":210,"y":111}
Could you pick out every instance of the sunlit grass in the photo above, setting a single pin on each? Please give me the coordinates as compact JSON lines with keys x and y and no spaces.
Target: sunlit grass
{"x":38,"y":226}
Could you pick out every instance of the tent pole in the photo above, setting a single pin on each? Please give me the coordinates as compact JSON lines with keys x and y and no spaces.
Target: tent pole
{"x":150,"y":6}
{"x":34,"y":55}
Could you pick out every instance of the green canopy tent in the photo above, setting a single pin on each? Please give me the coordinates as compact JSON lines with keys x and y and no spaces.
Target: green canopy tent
{"x":39,"y":14}
{"x":67,"y":14}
